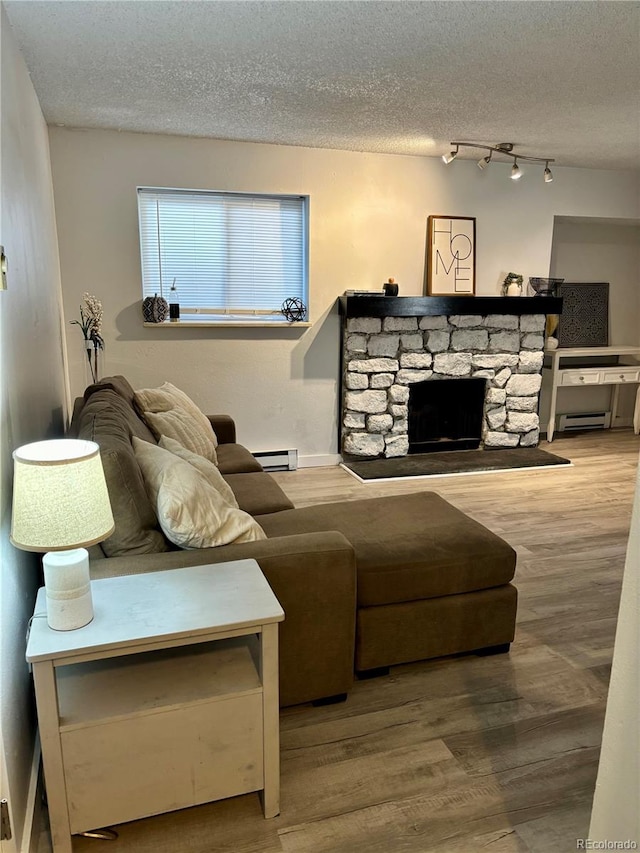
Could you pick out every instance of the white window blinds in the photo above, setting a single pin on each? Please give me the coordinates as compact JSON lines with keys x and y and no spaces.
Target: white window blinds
{"x":229,"y":253}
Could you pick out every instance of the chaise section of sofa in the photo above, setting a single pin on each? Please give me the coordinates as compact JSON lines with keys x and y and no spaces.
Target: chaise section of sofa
{"x":431,"y":581}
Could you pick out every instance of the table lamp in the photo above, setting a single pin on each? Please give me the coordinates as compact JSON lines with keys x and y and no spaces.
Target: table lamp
{"x":61,"y":505}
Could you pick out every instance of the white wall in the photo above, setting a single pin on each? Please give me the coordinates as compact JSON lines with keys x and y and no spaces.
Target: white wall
{"x":589,"y":250}
{"x":368,"y":222}
{"x":33,"y":386}
{"x":597,"y":251}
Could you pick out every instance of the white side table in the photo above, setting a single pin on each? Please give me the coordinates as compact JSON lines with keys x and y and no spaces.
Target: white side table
{"x":167,"y":699}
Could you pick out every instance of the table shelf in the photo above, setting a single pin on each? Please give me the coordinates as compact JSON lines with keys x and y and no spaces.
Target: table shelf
{"x":103,"y":691}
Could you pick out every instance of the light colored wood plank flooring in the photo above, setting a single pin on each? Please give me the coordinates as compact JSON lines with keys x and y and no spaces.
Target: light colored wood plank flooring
{"x":467,"y":753}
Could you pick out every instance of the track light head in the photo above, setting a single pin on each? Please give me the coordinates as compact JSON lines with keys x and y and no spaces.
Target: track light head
{"x":548,"y":175}
{"x":485,"y":161}
{"x":516,"y":171}
{"x":447,"y":158}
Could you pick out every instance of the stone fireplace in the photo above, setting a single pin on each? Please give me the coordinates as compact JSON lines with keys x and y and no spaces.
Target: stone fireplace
{"x":391,"y":345}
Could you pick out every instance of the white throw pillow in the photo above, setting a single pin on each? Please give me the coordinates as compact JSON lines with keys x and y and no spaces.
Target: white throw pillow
{"x":167,"y":397}
{"x":206,"y":468}
{"x":169,"y":411}
{"x":192,"y":514}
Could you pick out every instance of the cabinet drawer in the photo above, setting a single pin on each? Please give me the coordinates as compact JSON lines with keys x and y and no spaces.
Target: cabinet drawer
{"x":137,"y":767}
{"x":581,"y":377}
{"x":618,"y":375}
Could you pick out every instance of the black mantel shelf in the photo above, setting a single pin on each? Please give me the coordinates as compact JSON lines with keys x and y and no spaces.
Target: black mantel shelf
{"x":419,"y":306}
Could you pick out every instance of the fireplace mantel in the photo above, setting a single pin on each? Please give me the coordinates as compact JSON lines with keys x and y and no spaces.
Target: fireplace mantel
{"x":422,"y":306}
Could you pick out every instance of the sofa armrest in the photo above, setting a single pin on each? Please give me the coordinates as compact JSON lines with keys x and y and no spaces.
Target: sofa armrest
{"x":313,"y":576}
{"x":224,"y":428}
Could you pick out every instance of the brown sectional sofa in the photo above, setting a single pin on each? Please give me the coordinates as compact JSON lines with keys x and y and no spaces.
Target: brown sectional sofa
{"x":364,"y":584}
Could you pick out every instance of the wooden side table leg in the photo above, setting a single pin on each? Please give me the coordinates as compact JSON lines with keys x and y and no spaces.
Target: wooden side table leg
{"x":552,"y":408}
{"x":615,"y":399}
{"x":271,"y":716}
{"x":47,"y":702}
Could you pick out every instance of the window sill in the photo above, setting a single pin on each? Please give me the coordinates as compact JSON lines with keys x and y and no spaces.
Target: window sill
{"x":226,"y":324}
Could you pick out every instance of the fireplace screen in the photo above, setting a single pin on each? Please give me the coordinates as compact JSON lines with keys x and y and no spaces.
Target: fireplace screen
{"x":446,"y":414}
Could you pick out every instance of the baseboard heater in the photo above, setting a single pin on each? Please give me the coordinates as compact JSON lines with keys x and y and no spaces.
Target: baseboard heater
{"x":584,"y":420}
{"x":277,"y":460}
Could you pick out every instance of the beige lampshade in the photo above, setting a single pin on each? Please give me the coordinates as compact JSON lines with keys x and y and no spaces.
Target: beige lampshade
{"x":60,"y":498}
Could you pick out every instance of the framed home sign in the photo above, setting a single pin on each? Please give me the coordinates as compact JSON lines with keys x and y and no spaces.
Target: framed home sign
{"x":451,"y":256}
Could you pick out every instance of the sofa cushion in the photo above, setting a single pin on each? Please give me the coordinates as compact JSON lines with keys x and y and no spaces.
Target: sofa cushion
{"x":117,"y":383}
{"x":169,"y":411}
{"x":119,"y":386}
{"x":236,"y":459}
{"x":109,"y":421}
{"x":258,"y":493}
{"x":398,"y":558}
{"x":206,"y":468}
{"x":181,"y":426}
{"x":191,"y":512}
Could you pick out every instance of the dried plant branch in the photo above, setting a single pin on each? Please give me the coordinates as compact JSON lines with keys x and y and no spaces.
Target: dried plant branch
{"x":90,"y":323}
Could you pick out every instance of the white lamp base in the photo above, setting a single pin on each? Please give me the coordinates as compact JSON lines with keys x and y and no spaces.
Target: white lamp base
{"x":68,"y":588}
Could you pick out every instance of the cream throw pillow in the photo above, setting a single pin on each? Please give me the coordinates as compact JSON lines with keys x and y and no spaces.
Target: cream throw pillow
{"x":206,"y":468}
{"x":169,"y":411}
{"x":192,"y":514}
{"x":179,"y":425}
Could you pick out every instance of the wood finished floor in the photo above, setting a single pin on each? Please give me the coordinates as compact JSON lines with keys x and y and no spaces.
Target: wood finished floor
{"x":460,"y":754}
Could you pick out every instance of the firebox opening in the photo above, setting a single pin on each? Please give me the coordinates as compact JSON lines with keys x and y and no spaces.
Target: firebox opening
{"x":446,"y":414}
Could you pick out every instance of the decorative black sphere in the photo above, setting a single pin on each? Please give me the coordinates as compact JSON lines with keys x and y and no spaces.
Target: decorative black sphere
{"x":294,"y":309}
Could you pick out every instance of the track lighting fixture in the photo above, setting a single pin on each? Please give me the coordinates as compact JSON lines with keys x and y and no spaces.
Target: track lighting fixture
{"x":447,"y":158}
{"x":506,"y":149}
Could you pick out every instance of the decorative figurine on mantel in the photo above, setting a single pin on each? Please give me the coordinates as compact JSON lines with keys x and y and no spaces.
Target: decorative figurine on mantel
{"x":390,"y":287}
{"x":512,"y":285}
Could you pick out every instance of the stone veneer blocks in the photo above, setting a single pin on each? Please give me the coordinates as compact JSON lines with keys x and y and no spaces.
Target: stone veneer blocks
{"x":382,"y":357}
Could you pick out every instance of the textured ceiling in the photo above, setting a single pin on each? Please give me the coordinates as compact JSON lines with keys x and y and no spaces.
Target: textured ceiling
{"x":560,"y":79}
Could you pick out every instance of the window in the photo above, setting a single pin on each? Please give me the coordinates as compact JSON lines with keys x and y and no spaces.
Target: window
{"x":234,"y":257}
